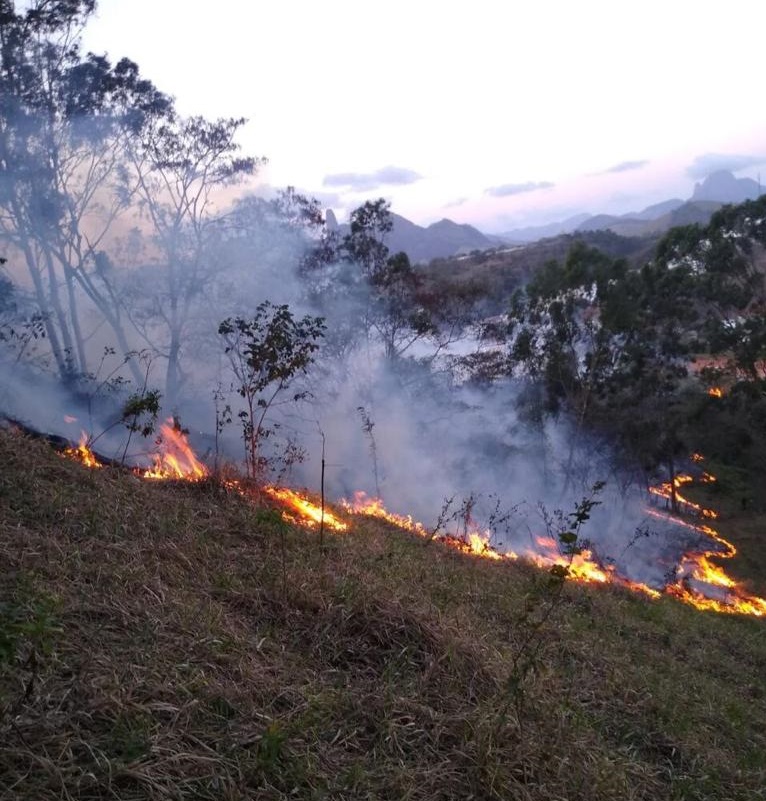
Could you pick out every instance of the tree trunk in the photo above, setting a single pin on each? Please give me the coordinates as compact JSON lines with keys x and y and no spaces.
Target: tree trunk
{"x":672,"y":479}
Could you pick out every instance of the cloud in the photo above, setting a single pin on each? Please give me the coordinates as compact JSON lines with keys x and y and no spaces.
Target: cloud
{"x":708,"y":163}
{"x":366,"y":181}
{"x":456,"y":202}
{"x":517,"y":189}
{"x":625,"y":166}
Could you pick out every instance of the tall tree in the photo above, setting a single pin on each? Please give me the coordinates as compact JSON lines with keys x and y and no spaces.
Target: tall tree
{"x":65,"y":119}
{"x":179,"y":164}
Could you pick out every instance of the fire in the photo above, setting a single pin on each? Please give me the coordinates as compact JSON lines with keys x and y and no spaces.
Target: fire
{"x":308,"y":513}
{"x":698,"y":581}
{"x":175,"y":458}
{"x":581,"y":567}
{"x":373,"y":507}
{"x":665,"y":491}
{"x":697,"y":578}
{"x":715,"y":392}
{"x":82,"y":453}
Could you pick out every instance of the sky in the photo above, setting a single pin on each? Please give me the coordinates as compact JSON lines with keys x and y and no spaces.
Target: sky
{"x":496,"y":113}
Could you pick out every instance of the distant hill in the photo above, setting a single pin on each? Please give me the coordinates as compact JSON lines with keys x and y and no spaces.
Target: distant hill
{"x":533,"y":233}
{"x":446,"y":238}
{"x":709,"y":195}
{"x":655,"y":211}
{"x":438,"y":240}
{"x":495,"y":274}
{"x":723,"y":187}
{"x":641,"y":224}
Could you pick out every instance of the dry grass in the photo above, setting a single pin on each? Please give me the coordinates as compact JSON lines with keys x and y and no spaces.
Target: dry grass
{"x":149,"y":650}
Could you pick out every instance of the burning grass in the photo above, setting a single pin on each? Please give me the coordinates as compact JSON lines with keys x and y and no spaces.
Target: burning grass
{"x":173,"y":640}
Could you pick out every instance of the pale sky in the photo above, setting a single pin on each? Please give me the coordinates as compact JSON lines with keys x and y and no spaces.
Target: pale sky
{"x":494,"y":113}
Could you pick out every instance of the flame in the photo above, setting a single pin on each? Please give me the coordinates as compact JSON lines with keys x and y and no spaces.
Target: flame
{"x":665,"y":491}
{"x":373,"y":507}
{"x":698,"y":581}
{"x":82,"y":453}
{"x":697,"y":578}
{"x":715,"y":392}
{"x":581,"y":567}
{"x":174,"y":458}
{"x":308,"y":513}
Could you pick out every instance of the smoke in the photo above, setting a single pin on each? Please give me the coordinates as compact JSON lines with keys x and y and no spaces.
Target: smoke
{"x":434,"y":441}
{"x":404,"y":428}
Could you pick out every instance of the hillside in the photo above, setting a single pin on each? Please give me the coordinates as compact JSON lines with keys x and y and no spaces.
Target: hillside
{"x":438,"y":240}
{"x":709,"y":195}
{"x":692,"y":212}
{"x":166,"y":640}
{"x":494,"y":274}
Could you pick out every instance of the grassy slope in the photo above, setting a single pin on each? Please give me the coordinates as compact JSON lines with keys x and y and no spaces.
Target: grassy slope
{"x":174,"y":659}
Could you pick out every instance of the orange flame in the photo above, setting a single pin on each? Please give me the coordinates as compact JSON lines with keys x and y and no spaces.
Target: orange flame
{"x":697,"y":578}
{"x":308,"y":513}
{"x":715,"y":392}
{"x":175,"y":458}
{"x":82,"y":453}
{"x":582,"y":567}
{"x":665,"y":491}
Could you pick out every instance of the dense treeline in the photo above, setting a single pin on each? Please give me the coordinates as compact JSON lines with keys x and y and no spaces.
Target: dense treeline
{"x":663,"y":359}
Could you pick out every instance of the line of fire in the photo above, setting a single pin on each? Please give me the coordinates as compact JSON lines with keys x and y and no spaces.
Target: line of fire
{"x":696,"y":579}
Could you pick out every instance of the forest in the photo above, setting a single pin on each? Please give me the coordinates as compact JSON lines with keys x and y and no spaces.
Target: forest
{"x":340,"y":525}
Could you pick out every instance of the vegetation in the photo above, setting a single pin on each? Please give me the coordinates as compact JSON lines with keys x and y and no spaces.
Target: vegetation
{"x":176,"y":640}
{"x":615,"y":347}
{"x":147,"y":650}
{"x":266,"y":353}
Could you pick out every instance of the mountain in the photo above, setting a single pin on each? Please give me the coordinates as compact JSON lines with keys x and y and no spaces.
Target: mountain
{"x":709,"y":195}
{"x":655,"y":211}
{"x":438,"y":240}
{"x":447,"y":238}
{"x":641,"y":225}
{"x":533,"y":233}
{"x":723,"y":187}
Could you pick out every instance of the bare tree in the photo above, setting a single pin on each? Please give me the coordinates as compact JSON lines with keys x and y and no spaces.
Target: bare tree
{"x":179,"y":165}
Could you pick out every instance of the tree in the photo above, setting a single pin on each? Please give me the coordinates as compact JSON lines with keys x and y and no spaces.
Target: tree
{"x":266,"y":353}
{"x":370,"y":294}
{"x":365,"y":242}
{"x":65,"y":119}
{"x":178,"y":166}
{"x":610,"y":348}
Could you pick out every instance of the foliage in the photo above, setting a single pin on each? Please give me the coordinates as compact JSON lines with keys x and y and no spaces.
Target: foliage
{"x":266,"y":353}
{"x":371,"y":294}
{"x":613,"y":347}
{"x":140,"y":411}
{"x":546,"y":597}
{"x":177,"y":165}
{"x":65,"y":118}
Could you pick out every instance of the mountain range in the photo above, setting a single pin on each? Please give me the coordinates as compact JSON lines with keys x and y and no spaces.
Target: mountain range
{"x":708,"y":196}
{"x":447,"y":238}
{"x":438,"y":240}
